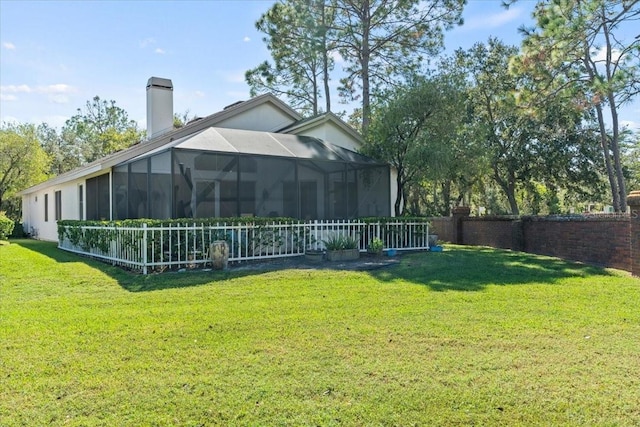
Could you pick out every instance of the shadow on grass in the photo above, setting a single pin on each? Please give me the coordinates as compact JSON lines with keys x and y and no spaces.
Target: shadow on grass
{"x":459,"y":268}
{"x":132,"y":281}
{"x":470,"y":268}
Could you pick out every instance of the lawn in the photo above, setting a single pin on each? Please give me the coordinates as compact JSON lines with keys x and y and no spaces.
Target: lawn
{"x":470,"y":336}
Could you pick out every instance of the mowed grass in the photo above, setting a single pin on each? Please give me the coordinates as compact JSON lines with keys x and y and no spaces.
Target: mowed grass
{"x":470,"y":336}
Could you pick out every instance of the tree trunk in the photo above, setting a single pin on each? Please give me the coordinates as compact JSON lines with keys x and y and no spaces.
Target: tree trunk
{"x":364,"y":62}
{"x":513,"y":204}
{"x":315,"y":95}
{"x":325,"y":60}
{"x":509,"y":189}
{"x":404,"y":200}
{"x":607,"y":158}
{"x":398,"y":203}
{"x":446,"y":197}
{"x":591,"y":71}
{"x":615,"y":148}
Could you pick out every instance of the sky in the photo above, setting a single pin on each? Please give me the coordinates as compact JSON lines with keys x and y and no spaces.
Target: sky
{"x":57,"y":55}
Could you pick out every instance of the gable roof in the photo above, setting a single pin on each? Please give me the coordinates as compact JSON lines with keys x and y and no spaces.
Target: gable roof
{"x":312,"y":122}
{"x":155,"y":143}
{"x":233,"y":141}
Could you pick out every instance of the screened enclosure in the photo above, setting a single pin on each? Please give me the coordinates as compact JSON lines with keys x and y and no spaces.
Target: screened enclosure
{"x":230,"y":173}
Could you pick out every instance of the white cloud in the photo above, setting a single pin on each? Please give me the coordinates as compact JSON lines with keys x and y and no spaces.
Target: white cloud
{"x":493,"y":20}
{"x":160,"y":51}
{"x":630,"y":124}
{"x":601,"y":55}
{"x":57,"y":88}
{"x":146,"y":42}
{"x":56,"y":92}
{"x":246,"y":39}
{"x":9,"y":46}
{"x":199,"y":94}
{"x":15,"y":89}
{"x":59,"y":99}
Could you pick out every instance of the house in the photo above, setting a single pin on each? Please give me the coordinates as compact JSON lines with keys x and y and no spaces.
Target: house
{"x":254,"y":158}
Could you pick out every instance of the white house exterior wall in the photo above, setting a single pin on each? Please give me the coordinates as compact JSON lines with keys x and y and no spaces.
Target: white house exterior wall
{"x":328,"y":131}
{"x":33,"y":209}
{"x":264,"y":118}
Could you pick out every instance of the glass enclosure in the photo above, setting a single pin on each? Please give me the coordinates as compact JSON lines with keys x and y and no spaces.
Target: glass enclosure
{"x":98,"y":198}
{"x":191,"y":183}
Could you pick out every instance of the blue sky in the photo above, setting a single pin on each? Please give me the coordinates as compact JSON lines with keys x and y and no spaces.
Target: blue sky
{"x":56,"y":55}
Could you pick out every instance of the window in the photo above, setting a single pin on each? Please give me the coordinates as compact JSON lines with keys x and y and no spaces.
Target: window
{"x":80,"y":202}
{"x":46,"y":207}
{"x":58,"y":205}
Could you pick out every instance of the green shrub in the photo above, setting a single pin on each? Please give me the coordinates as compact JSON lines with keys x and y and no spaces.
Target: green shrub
{"x":375,"y":246}
{"x":339,"y":242}
{"x":18,"y":230}
{"x":6,"y":226}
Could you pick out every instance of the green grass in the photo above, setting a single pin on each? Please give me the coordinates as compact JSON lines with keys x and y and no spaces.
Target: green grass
{"x":470,"y":336}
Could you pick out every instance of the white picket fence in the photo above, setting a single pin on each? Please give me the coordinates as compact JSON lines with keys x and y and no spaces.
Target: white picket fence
{"x":176,"y":246}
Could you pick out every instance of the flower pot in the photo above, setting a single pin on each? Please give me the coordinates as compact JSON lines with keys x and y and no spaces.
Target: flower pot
{"x":343,"y":255}
{"x":314,"y":257}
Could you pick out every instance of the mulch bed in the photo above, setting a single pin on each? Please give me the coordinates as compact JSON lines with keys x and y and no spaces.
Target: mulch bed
{"x":366,"y":262}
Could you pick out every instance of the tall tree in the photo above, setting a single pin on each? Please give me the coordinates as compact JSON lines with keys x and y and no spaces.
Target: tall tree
{"x":22,"y":163}
{"x":524,"y":145}
{"x":631,"y":158}
{"x":297,"y":34}
{"x":64,"y":157}
{"x":576,"y":44}
{"x":99,"y":129}
{"x":412,"y":130}
{"x":382,"y":40}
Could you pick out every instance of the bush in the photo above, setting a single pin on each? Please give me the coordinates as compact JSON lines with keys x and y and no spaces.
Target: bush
{"x":6,"y":226}
{"x":375,"y":246}
{"x":340,"y":242}
{"x":18,"y":230}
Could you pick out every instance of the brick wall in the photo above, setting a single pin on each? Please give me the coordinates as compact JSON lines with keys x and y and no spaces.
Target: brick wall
{"x":443,"y":227}
{"x":595,"y":240}
{"x":600,"y":240}
{"x":495,"y":232}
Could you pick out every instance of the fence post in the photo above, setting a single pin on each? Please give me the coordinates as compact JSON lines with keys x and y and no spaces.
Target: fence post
{"x":633,"y":200}
{"x":144,"y":248}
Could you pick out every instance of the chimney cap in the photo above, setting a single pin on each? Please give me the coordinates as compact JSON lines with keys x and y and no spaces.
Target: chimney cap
{"x":160,"y":82}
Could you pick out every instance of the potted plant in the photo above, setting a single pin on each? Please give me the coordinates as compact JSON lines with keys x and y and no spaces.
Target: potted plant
{"x":342,"y":248}
{"x":314,"y":255}
{"x":375,"y":246}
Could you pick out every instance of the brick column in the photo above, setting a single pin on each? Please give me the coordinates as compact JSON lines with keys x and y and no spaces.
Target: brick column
{"x":633,"y":200}
{"x":459,"y":213}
